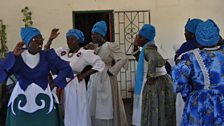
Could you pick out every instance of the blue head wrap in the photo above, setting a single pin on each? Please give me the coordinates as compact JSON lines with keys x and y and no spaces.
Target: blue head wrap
{"x":76,"y":33}
{"x":27,"y":33}
{"x":191,"y":25}
{"x":207,"y":33}
{"x":100,"y":27}
{"x":148,"y":31}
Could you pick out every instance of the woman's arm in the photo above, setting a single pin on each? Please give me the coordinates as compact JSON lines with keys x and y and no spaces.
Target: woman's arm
{"x":59,"y":67}
{"x":86,"y":74}
{"x":136,"y":52}
{"x":54,"y":34}
{"x":181,"y":77}
{"x":120,"y":59}
{"x":6,"y":67}
{"x":95,"y":61}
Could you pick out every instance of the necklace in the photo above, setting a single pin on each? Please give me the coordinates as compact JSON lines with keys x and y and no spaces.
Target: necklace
{"x":70,"y":54}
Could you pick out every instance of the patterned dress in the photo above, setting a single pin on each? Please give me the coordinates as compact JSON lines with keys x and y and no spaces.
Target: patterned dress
{"x":158,"y":99}
{"x":199,"y":78}
{"x":32,"y":102}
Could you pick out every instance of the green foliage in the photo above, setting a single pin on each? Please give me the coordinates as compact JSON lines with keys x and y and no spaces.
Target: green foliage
{"x":27,"y":19}
{"x":3,"y":40}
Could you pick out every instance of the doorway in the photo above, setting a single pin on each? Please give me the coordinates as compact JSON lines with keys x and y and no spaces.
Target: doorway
{"x":84,"y":21}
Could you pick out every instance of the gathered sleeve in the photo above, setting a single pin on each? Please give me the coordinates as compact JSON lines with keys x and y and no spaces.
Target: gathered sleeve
{"x":59,"y":67}
{"x":120,"y":58}
{"x":94,"y":60}
{"x":181,"y":74}
{"x":6,"y":66}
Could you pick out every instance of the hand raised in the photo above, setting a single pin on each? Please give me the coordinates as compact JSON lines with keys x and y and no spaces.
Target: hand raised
{"x":18,"y":49}
{"x":54,"y":33}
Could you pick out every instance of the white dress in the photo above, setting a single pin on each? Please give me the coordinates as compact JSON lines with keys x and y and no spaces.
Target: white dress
{"x":106,"y":105}
{"x":75,"y":99}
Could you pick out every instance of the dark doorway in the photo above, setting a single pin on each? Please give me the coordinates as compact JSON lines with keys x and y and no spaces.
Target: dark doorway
{"x":84,"y":21}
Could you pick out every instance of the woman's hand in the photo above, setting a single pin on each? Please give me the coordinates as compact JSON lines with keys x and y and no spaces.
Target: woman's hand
{"x":54,"y":33}
{"x":90,"y":46}
{"x":18,"y":49}
{"x":109,"y":73}
{"x":80,"y":77}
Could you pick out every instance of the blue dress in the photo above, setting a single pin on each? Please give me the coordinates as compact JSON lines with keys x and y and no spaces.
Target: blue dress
{"x":199,"y":78}
{"x":32,"y":102}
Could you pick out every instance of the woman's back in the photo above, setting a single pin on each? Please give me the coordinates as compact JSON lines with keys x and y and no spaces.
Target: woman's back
{"x":199,"y":78}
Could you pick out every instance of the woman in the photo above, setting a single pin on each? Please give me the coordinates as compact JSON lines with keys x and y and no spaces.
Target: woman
{"x":199,"y":79}
{"x":190,"y":44}
{"x":75,"y":103}
{"x":31,"y":102}
{"x":106,"y":105}
{"x":154,"y":100}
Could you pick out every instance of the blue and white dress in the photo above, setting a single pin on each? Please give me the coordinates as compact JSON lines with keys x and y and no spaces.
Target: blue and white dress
{"x":31,"y":102}
{"x":199,"y":78}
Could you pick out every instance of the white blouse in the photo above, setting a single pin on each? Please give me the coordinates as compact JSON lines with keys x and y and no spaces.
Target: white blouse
{"x":79,"y":60}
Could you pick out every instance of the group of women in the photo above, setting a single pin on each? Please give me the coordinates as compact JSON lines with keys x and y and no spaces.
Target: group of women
{"x":33,"y":103}
{"x":197,"y":75}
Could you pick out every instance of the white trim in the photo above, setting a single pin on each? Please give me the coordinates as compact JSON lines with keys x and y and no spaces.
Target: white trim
{"x":203,"y":69}
{"x":213,"y":48}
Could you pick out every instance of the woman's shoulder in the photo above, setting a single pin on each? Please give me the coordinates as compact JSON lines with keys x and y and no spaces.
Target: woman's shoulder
{"x":114,"y":47}
{"x":61,"y":51}
{"x":87,"y":52}
{"x":151,"y":48}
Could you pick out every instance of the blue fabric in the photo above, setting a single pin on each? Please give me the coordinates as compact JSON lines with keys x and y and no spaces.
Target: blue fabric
{"x":76,"y":33}
{"x":148,"y":31}
{"x":49,"y":61}
{"x":140,"y":72}
{"x":6,"y":65}
{"x":27,"y":33}
{"x":204,"y":107}
{"x":207,"y":33}
{"x":100,"y":27}
{"x":191,"y":25}
{"x":186,"y":46}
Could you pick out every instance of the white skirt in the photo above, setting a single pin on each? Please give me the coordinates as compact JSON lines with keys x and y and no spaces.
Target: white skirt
{"x":179,"y":109}
{"x":75,"y":104}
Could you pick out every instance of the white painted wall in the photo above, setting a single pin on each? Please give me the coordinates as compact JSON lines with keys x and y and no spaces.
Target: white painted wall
{"x":169,"y":16}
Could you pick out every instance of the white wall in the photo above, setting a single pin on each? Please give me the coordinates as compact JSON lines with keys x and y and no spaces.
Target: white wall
{"x":169,"y":16}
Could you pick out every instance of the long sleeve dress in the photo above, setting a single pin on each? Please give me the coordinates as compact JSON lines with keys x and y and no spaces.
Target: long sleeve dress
{"x":158,"y":99}
{"x":75,"y":102}
{"x":199,"y":78}
{"x":105,"y":101}
{"x":31,"y":102}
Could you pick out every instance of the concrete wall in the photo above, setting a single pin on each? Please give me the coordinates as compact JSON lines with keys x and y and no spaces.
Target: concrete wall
{"x":169,"y":16}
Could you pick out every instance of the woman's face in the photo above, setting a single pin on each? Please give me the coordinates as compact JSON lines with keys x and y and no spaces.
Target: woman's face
{"x":35,"y":44}
{"x":97,"y":38}
{"x":72,"y":42}
{"x":188,"y":35}
{"x":139,"y":41}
